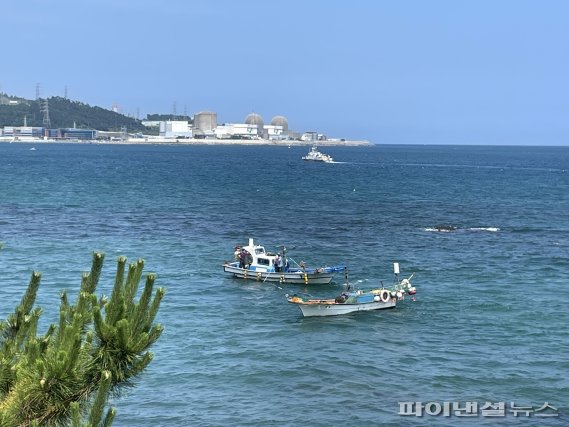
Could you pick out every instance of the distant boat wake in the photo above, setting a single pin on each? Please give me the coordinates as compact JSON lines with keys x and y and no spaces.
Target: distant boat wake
{"x":451,"y":228}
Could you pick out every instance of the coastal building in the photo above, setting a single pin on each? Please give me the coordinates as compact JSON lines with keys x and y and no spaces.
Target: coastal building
{"x":19,"y":132}
{"x":275,"y":133}
{"x":80,"y":134}
{"x":309,"y":136}
{"x":256,"y":119}
{"x":175,"y":129}
{"x":236,"y":131}
{"x":205,"y":121}
{"x":24,"y":131}
{"x":280,"y":121}
{"x":313,"y":136}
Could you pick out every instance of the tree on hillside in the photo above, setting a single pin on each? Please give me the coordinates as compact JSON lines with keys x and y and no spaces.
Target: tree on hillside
{"x":65,"y":113}
{"x":166,"y":117}
{"x":65,"y":376}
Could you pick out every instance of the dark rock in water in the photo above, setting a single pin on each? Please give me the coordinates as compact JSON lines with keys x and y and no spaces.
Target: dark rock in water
{"x":445,"y":227}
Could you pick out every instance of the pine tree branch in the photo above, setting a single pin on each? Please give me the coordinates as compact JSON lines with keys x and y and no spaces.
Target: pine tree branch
{"x":69,"y":372}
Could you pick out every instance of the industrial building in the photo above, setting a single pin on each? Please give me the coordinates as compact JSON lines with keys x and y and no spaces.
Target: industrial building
{"x":236,"y":131}
{"x":176,"y":129}
{"x":19,"y":132}
{"x":313,"y":136}
{"x":205,"y":121}
{"x":256,"y":119}
{"x":275,"y":133}
{"x":81,"y":134}
{"x":24,"y":131}
{"x":280,"y":121}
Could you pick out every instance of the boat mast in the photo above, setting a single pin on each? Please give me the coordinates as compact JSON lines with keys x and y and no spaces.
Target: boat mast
{"x":396,"y":271}
{"x":348,"y":286}
{"x":284,"y":257}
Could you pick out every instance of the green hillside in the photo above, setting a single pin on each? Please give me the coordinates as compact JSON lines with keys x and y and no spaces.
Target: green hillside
{"x":64,"y":113}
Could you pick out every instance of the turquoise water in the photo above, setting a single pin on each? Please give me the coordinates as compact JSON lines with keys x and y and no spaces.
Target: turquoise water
{"x":489,"y":323}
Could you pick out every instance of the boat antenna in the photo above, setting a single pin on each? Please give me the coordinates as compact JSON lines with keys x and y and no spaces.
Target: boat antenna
{"x":396,"y":271}
{"x":348,"y":286}
{"x":284,"y":256}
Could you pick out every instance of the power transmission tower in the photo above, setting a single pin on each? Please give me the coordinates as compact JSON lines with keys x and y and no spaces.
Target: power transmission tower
{"x":44,"y":108}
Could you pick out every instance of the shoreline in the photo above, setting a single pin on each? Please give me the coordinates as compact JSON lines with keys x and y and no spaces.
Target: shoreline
{"x":184,"y":141}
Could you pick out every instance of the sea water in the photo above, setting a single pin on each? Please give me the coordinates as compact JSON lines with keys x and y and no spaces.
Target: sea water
{"x":488,"y":324}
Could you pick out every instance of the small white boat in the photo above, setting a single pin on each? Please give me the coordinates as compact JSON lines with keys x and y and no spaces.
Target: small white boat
{"x":316,"y":156}
{"x":252,"y":262}
{"x":355,"y":300}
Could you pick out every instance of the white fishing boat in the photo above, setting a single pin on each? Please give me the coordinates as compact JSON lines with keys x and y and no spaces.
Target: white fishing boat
{"x":355,"y":300}
{"x":316,"y":156}
{"x":253,"y":262}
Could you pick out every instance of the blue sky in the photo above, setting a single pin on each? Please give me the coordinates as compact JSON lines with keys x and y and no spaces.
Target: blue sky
{"x":391,"y":72}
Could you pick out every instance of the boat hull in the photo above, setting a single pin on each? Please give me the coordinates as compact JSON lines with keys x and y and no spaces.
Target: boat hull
{"x":318,"y":160}
{"x":335,"y":309}
{"x":296,"y":277}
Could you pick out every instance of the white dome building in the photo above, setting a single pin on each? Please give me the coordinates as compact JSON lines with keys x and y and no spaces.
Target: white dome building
{"x":255,"y":119}
{"x":280,"y":121}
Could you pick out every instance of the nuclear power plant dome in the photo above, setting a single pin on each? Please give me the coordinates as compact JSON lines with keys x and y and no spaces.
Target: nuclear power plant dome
{"x":205,"y":121}
{"x":254,"y":119}
{"x":280,"y":121}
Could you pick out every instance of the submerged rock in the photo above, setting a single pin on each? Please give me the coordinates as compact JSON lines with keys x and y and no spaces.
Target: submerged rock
{"x":445,"y":227}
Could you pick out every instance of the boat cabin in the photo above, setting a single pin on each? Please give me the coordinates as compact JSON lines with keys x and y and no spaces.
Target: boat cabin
{"x":262,"y":260}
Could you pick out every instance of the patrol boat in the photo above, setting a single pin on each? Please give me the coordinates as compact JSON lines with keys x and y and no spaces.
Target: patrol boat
{"x":316,"y":156}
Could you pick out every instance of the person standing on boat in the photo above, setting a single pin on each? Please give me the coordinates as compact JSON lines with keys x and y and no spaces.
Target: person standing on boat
{"x":277,"y":263}
{"x":280,"y":262}
{"x":243,"y":258}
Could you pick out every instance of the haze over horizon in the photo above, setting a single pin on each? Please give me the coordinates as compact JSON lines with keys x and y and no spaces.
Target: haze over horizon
{"x":391,"y":72}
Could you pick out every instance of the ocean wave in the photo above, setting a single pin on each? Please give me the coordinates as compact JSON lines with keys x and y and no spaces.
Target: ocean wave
{"x":451,"y":229}
{"x":490,"y":229}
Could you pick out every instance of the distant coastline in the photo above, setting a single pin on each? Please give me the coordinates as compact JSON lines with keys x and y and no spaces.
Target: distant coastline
{"x":97,"y":125}
{"x":194,"y":141}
